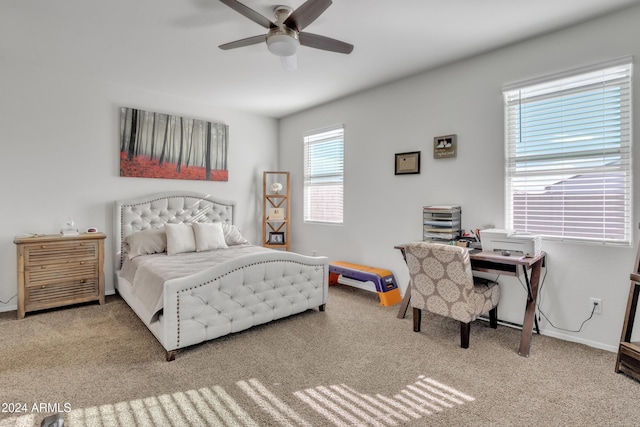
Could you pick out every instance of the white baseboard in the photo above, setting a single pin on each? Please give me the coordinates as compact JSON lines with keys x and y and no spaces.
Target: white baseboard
{"x":9,"y":308}
{"x":14,"y":307}
{"x":550,"y":333}
{"x":595,"y":344}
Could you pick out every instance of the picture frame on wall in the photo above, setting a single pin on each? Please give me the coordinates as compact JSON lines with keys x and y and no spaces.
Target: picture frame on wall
{"x":276,"y":238}
{"x":445,"y":147}
{"x":407,"y":163}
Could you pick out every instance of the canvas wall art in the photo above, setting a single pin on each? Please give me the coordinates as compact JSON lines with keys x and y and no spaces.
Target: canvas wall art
{"x":156,"y":145}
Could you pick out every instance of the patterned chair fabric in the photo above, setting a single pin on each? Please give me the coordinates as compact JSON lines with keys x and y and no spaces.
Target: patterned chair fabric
{"x":442,"y":282}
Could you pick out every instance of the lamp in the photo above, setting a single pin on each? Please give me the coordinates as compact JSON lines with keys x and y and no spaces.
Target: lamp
{"x":282,"y":41}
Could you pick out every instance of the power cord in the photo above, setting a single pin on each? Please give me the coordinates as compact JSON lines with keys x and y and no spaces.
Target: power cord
{"x":7,"y":301}
{"x":593,"y":310}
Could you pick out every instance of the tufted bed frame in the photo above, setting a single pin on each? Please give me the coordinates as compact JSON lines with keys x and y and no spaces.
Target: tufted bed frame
{"x":240,"y":293}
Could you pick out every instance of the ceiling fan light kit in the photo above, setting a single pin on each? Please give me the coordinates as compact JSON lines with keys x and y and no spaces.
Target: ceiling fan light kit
{"x":285,"y":35}
{"x":282,"y":41}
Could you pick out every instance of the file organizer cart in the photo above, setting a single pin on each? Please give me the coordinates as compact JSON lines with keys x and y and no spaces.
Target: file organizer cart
{"x":441,"y":223}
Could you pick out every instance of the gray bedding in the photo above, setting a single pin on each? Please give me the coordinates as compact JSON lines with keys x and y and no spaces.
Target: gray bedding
{"x":148,"y":273}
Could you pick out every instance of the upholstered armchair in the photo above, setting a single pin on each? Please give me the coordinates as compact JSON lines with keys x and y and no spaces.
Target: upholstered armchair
{"x":442,"y":282}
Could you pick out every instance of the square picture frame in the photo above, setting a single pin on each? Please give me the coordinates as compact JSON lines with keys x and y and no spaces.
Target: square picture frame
{"x":276,"y":238}
{"x":445,"y":147}
{"x":407,"y":163}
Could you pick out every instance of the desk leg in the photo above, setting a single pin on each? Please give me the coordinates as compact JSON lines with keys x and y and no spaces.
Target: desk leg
{"x":405,"y":303}
{"x":530,"y":310}
{"x":407,"y":295}
{"x":529,"y":297}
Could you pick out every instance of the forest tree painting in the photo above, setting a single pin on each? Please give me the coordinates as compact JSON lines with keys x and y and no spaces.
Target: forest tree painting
{"x":155,"y":145}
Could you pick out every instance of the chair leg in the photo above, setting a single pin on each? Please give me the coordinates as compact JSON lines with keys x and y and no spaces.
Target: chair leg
{"x":493,"y":318}
{"x":417,"y":319}
{"x":465,"y":329}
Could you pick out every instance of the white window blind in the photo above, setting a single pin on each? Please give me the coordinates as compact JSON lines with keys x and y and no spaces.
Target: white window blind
{"x":323,"y":175}
{"x":568,"y":155}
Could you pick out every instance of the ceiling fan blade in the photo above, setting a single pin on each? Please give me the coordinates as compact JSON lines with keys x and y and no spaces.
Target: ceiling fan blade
{"x":249,"y":13}
{"x":290,"y":63}
{"x":325,"y":43}
{"x":243,"y":42}
{"x":308,"y":12}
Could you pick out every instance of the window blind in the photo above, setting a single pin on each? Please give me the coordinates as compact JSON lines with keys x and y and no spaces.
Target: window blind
{"x":568,"y":155}
{"x":323,"y":175}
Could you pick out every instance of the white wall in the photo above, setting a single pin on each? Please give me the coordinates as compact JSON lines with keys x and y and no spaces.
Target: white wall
{"x":465,"y":98}
{"x":59,"y":158}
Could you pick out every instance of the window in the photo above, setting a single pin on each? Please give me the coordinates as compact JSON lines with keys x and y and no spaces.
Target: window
{"x":568,"y":155}
{"x":323,"y":175}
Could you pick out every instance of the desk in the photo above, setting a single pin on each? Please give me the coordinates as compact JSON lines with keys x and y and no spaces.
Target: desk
{"x":490,"y":262}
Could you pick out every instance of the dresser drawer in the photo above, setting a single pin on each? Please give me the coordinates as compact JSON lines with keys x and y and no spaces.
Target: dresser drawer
{"x":59,"y":252}
{"x":45,"y":274}
{"x":61,"y":293}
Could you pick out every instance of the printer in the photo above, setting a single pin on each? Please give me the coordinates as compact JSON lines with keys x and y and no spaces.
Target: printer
{"x":527,"y":244}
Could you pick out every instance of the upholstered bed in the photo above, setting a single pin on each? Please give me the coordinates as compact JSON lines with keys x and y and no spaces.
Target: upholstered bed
{"x":190,"y":275}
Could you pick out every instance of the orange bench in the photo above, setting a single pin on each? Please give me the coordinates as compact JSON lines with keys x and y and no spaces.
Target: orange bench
{"x":370,"y":279}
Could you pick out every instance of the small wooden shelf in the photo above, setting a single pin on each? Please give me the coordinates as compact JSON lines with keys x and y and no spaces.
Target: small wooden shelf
{"x":628,"y":360}
{"x":279,"y":227}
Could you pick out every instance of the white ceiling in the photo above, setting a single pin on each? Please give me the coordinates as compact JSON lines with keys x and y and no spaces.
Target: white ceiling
{"x":170,"y":46}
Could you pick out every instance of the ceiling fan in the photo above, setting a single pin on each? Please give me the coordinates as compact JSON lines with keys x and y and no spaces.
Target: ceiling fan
{"x":285,"y":35}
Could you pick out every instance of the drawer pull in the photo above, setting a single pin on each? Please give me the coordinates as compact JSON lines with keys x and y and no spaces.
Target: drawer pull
{"x":43,"y":286}
{"x":42,"y":267}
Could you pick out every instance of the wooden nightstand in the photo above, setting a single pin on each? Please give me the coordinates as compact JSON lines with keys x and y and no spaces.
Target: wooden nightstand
{"x":55,"y":271}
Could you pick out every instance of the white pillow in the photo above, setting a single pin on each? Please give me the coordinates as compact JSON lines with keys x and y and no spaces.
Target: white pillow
{"x":180,"y":238}
{"x":209,"y":236}
{"x":232,"y":235}
{"x":145,"y":242}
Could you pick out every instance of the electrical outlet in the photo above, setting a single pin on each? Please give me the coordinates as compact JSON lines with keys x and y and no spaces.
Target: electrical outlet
{"x":598,"y":303}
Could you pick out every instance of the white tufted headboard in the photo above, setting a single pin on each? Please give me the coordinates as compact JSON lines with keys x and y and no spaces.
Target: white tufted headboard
{"x":175,"y":207}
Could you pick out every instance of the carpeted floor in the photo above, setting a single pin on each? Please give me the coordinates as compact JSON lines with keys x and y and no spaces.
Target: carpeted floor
{"x":355,"y":364}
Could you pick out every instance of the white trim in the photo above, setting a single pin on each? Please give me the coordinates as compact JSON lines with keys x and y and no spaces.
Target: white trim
{"x":567,"y":73}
